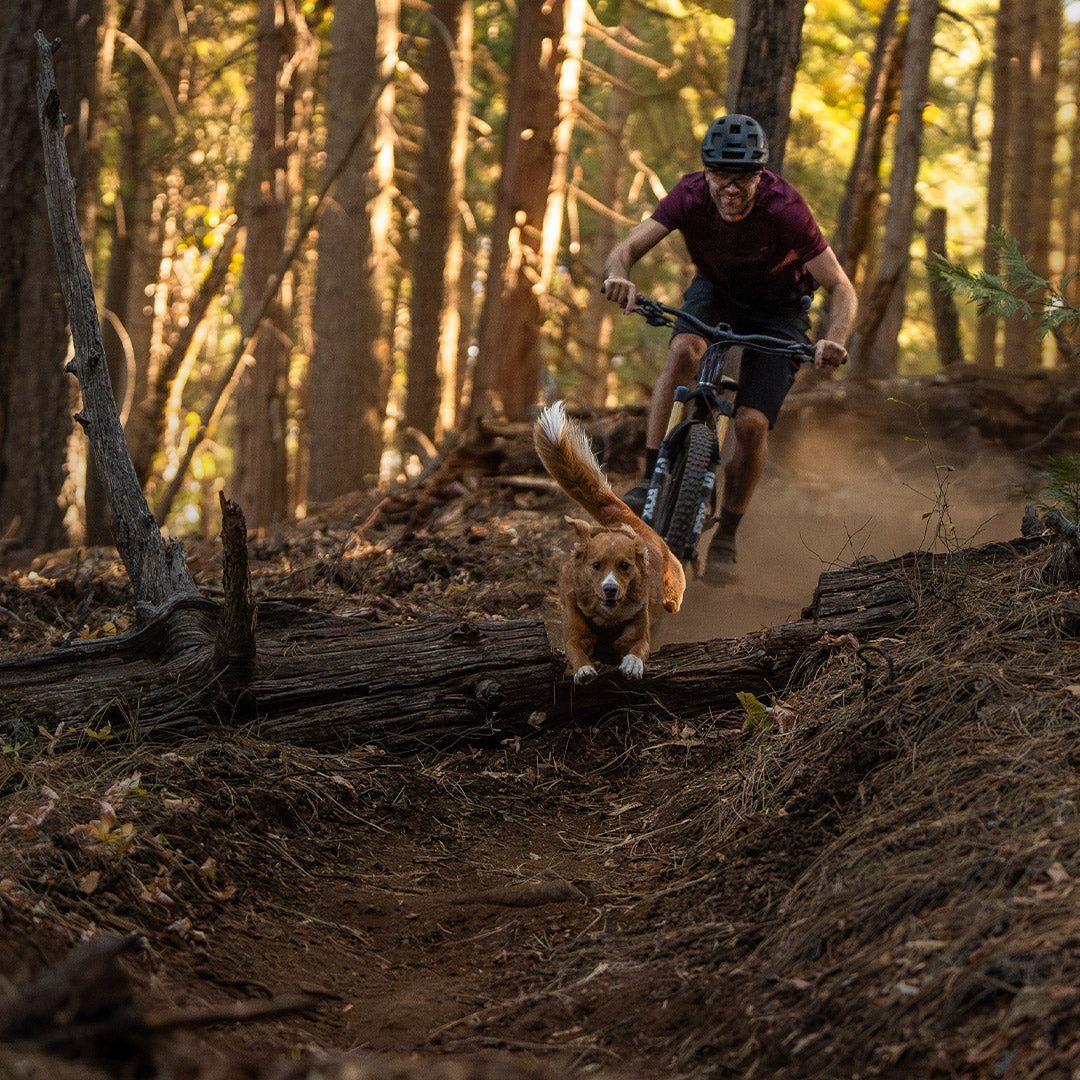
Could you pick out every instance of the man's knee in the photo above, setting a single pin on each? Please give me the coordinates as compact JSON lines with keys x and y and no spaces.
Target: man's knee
{"x":751,"y":426}
{"x":684,"y":352}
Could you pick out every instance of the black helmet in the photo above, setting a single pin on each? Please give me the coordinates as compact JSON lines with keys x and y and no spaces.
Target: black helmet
{"x":734,"y":144}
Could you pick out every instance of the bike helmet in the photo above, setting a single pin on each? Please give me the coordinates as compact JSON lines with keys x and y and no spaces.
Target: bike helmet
{"x":734,"y":144}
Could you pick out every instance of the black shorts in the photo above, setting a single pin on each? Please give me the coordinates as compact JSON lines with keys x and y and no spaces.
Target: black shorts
{"x":764,"y":378}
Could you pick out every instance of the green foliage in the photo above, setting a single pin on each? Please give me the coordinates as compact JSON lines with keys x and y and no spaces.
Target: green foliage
{"x":758,"y":714}
{"x":1062,"y":487}
{"x":1017,"y":290}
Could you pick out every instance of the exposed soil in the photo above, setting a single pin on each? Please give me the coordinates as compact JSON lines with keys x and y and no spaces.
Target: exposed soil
{"x":888,"y":888}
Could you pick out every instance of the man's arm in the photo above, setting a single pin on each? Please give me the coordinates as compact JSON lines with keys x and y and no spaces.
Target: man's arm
{"x":843,"y":304}
{"x":641,"y":238}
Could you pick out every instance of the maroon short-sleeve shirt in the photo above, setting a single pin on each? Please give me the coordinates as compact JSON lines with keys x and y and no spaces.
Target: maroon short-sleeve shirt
{"x":759,"y":259}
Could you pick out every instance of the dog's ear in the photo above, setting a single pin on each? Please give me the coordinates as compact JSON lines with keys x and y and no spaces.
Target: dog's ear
{"x":624,"y":528}
{"x":582,"y":528}
{"x":641,"y":551}
{"x":583,"y":531}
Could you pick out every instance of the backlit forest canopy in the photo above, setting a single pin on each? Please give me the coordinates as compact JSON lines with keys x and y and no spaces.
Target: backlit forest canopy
{"x":328,"y":236}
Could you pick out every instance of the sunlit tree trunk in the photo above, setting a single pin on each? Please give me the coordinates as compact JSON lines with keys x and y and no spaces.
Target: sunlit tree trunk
{"x":35,"y":410}
{"x":862,"y":191}
{"x":773,"y":43}
{"x":147,"y":117}
{"x":349,"y":380}
{"x":573,"y":44}
{"x":1071,"y":209}
{"x":508,"y":368}
{"x":1030,"y":183}
{"x":261,"y":466}
{"x":597,"y":321}
{"x":430,"y":404}
{"x":874,"y":345}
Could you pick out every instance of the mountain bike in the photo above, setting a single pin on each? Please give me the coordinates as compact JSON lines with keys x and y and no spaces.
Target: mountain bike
{"x":682,"y":493}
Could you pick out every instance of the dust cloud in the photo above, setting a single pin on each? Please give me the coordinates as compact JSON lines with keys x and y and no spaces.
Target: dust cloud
{"x":825,"y":501}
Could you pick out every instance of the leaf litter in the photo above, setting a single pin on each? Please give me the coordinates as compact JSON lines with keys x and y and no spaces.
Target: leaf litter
{"x":879,"y":882}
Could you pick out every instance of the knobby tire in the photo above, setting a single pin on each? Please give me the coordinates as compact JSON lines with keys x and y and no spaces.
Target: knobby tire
{"x":680,"y":502}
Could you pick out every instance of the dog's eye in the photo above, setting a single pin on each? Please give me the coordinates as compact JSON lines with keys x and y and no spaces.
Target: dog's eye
{"x":596,"y":565}
{"x":624,"y":565}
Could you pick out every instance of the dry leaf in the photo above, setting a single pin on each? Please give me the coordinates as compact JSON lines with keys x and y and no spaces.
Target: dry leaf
{"x":28,"y":822}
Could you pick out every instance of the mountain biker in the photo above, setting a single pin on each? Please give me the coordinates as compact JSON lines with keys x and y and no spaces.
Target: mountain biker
{"x":758,"y":256}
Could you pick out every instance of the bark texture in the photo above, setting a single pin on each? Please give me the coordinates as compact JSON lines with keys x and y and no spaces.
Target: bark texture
{"x":328,"y":681}
{"x":157,"y":569}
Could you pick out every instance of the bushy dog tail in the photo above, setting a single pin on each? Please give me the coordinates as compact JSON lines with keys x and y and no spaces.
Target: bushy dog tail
{"x":565,"y":451}
{"x":567,"y":455}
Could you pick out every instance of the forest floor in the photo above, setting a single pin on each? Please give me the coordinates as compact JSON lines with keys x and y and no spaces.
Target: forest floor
{"x":888,"y":889}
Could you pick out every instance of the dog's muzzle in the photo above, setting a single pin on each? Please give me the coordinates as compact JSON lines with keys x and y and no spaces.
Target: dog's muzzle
{"x":610,"y":588}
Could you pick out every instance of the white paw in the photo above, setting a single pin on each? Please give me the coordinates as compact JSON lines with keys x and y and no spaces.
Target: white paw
{"x":584,"y":673}
{"x":633,"y":667}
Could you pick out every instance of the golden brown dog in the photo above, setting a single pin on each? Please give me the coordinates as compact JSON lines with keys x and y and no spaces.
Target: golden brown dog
{"x":621,"y":575}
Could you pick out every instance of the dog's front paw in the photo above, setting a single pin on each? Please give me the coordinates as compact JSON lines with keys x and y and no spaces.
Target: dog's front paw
{"x":585,"y":673}
{"x":633,"y":667}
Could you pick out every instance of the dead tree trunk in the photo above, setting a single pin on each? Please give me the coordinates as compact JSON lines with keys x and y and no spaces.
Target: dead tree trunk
{"x":158,"y":571}
{"x":328,"y":681}
{"x":184,"y":642}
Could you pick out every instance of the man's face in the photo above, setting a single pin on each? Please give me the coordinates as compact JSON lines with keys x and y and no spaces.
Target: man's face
{"x":733,"y":192}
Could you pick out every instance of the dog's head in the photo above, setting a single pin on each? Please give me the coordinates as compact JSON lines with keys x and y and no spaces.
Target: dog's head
{"x":610,"y":566}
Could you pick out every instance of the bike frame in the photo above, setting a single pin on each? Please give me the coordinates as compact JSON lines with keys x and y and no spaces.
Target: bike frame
{"x":697,"y":429}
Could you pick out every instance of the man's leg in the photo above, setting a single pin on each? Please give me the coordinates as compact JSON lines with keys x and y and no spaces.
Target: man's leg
{"x":747,"y":461}
{"x":741,"y":474}
{"x":680,"y":367}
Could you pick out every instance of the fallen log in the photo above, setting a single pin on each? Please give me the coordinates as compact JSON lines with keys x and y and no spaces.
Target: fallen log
{"x":333,"y":681}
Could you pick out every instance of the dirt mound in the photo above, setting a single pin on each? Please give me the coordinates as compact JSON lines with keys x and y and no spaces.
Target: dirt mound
{"x":877,"y":878}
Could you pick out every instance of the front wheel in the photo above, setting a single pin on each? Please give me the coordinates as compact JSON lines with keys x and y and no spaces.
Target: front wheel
{"x":684,"y":501}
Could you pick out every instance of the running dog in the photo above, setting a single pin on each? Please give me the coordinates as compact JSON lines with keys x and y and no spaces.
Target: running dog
{"x":621,"y":576}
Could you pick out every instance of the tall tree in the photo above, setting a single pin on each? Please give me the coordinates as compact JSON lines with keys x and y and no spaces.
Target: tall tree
{"x":763,"y":65}
{"x":573,"y":44}
{"x":1000,"y":140}
{"x":147,"y":68}
{"x":862,"y":190}
{"x":431,"y":373}
{"x":34,"y":391}
{"x":508,"y":367}
{"x":1033,"y":70}
{"x":874,"y":345}
{"x":597,"y":320}
{"x":262,"y":417}
{"x":349,"y":379}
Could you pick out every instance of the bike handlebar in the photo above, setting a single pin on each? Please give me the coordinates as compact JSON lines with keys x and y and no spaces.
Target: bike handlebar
{"x":657,"y":314}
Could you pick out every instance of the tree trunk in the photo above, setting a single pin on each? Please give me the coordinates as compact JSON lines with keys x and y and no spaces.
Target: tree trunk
{"x":1000,"y":153}
{"x":145,"y":152}
{"x":597,"y":320}
{"x":34,"y":391}
{"x":347,"y":383}
{"x":507,"y":374}
{"x":862,"y":190}
{"x":328,"y":681}
{"x":942,"y":303}
{"x":773,"y":45}
{"x":261,"y":474}
{"x":433,"y":345}
{"x":572,"y":47}
{"x":1030,"y":184}
{"x":874,"y":345}
{"x":1071,"y":208}
{"x":157,"y":570}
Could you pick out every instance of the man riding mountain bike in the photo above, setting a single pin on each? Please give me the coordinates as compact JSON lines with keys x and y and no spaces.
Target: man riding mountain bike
{"x":758,"y":256}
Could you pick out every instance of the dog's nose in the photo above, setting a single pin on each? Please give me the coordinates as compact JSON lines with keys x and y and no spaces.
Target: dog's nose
{"x":610,"y":589}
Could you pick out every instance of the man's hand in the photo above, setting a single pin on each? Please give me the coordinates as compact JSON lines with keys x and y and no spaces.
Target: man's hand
{"x":621,"y":291}
{"x":829,"y":354}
